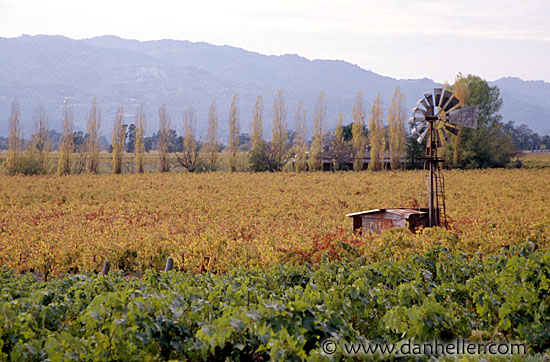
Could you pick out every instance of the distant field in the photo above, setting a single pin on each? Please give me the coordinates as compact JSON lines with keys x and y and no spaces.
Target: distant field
{"x":106,"y":161}
{"x":528,"y":160}
{"x":536,"y":159}
{"x":218,"y":221}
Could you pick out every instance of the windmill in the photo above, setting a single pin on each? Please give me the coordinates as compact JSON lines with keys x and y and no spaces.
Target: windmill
{"x":437,"y":116}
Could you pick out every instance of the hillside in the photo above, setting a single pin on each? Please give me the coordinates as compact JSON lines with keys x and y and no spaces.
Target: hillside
{"x":49,"y":69}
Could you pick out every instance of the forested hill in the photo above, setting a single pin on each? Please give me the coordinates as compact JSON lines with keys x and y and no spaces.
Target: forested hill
{"x":49,"y":69}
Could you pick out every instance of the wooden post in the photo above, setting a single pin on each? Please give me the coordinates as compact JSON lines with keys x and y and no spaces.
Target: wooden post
{"x":106,"y":267}
{"x":169,"y":264}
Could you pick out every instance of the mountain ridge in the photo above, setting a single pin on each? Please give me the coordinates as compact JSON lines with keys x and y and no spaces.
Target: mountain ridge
{"x":179,"y":73}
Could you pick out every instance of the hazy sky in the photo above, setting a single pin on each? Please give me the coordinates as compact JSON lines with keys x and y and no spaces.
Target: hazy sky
{"x":397,"y":38}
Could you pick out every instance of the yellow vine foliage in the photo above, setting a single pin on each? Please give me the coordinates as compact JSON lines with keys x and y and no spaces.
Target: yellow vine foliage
{"x":218,"y":221}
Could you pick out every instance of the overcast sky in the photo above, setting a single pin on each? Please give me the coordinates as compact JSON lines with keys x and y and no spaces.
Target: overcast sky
{"x":397,"y":38}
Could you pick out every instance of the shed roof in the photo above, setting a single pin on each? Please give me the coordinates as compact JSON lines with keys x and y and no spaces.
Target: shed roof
{"x":404,"y":212}
{"x":365,"y":212}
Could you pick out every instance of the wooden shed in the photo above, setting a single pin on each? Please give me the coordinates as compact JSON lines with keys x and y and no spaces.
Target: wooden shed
{"x":376,"y":220}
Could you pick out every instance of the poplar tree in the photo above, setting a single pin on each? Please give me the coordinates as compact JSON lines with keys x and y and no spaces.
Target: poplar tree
{"x":260,"y":150}
{"x":234,"y":129}
{"x":257,"y":118}
{"x":15,"y":143}
{"x":139,"y":145}
{"x":67,"y":143}
{"x":396,"y":129}
{"x":316,"y":150}
{"x":93,"y":146}
{"x":300,"y":146}
{"x":163,"y":143}
{"x":359,"y":138}
{"x":40,"y":147}
{"x":118,"y":140}
{"x":279,"y":133}
{"x":212,"y":137}
{"x":190,"y":147}
{"x":339,"y":145}
{"x":377,"y":137}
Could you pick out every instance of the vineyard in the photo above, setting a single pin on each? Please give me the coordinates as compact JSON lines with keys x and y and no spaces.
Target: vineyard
{"x":266,"y":264}
{"x":215,"y":222}
{"x":282,"y":313}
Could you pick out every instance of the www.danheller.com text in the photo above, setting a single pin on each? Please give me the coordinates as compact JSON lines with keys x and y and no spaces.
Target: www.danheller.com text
{"x":431,"y":348}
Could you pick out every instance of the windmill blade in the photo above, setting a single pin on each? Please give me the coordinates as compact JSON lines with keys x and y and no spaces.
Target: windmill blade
{"x":466,"y":117}
{"x":419,"y":110}
{"x":452,"y":129}
{"x":445,"y":98}
{"x":423,"y":135}
{"x":437,"y":95}
{"x":416,"y":119}
{"x":453,"y":102}
{"x":438,"y":143}
{"x":422,"y":102}
{"x":445,"y":135}
{"x":429,"y":98}
{"x":418,"y":128}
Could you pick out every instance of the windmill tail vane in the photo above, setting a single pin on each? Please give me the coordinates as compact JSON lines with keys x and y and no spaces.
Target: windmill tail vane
{"x":435,"y":117}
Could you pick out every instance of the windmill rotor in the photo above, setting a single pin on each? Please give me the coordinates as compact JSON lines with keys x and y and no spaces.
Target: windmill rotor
{"x":441,"y":106}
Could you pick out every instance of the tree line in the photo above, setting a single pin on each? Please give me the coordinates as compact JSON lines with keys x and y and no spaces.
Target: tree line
{"x":356,"y":146}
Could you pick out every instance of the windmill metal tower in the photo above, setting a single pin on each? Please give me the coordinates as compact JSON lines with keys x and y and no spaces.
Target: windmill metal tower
{"x":435,"y":116}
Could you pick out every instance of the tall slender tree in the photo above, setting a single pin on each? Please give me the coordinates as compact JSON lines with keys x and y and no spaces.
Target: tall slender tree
{"x":316,"y":150}
{"x":257,"y":120}
{"x":40,"y":147}
{"x":377,"y":137}
{"x":212,"y":137}
{"x":259,"y":149}
{"x":396,"y":129}
{"x":139,"y":144}
{"x":279,"y":134}
{"x":340,"y":147}
{"x":15,"y":143}
{"x":163,"y":143}
{"x":234,"y":129}
{"x":190,"y":147}
{"x":67,"y":142}
{"x":300,"y":131}
{"x":359,"y":138}
{"x":118,"y":140}
{"x":93,"y":146}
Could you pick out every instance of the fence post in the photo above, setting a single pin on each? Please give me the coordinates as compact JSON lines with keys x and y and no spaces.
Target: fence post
{"x":169,"y":264}
{"x":106,"y":267}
